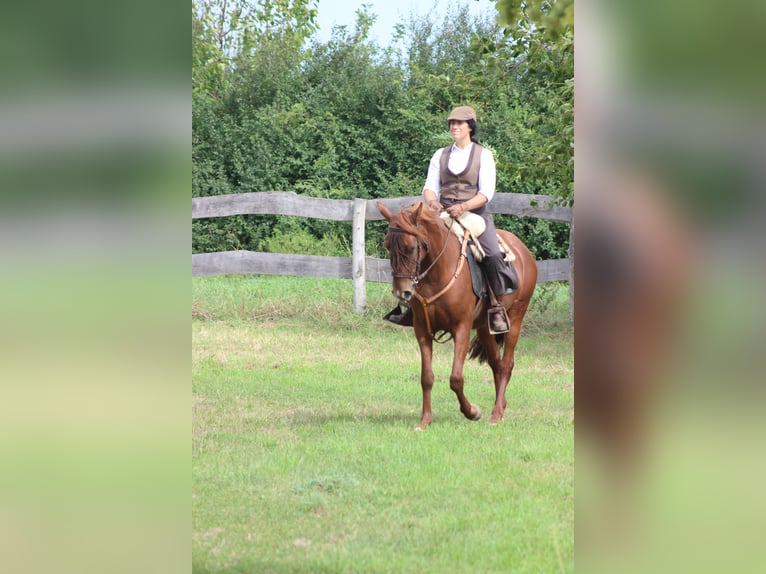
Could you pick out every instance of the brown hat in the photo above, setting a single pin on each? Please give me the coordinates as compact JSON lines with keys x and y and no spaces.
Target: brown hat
{"x":464,"y":113}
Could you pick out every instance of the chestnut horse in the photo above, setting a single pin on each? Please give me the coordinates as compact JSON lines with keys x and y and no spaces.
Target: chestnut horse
{"x":430,"y":273}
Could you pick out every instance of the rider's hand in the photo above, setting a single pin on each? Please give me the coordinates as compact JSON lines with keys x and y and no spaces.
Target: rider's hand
{"x":456,"y":210}
{"x":435,"y":205}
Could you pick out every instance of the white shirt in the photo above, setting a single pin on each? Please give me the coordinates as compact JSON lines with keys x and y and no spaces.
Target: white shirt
{"x":458,"y":160}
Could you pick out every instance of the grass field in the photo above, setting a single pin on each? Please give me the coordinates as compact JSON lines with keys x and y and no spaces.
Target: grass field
{"x":304,"y":453}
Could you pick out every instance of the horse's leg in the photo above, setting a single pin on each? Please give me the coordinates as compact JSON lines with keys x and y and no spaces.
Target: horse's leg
{"x":500,"y":371}
{"x":504,"y":369}
{"x":426,"y":379}
{"x":462,"y":338}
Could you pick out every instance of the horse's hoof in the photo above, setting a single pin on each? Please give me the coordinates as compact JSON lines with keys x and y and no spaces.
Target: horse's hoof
{"x":418,"y":428}
{"x":477,"y":416}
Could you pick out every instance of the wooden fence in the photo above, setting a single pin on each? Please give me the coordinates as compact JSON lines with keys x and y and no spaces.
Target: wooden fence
{"x":358,"y":267}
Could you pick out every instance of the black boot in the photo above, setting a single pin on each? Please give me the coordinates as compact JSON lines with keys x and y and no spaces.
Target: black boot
{"x":497,"y":317}
{"x":400,"y":316}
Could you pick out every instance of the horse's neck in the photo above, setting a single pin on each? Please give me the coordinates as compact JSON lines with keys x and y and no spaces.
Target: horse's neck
{"x":447,"y":255}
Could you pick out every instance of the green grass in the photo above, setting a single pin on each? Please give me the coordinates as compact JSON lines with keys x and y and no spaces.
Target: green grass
{"x":304,"y":453}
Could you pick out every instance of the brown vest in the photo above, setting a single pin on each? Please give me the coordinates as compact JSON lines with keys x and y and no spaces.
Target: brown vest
{"x":464,"y":185}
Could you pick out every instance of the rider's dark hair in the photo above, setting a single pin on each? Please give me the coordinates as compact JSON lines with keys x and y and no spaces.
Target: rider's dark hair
{"x":472,"y":125}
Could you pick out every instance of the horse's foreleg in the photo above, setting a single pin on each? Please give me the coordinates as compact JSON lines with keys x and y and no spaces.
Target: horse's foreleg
{"x":426,"y":380}
{"x":456,"y":379}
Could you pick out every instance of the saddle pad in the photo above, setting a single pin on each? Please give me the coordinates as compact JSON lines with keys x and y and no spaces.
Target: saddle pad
{"x":470,"y":221}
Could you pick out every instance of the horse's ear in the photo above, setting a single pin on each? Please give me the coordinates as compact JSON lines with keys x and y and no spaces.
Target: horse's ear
{"x":418,"y":208}
{"x":384,"y":211}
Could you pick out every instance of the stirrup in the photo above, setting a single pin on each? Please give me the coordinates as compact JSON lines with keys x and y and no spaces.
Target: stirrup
{"x":501,"y":324}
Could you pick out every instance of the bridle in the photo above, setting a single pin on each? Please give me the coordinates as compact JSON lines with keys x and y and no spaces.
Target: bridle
{"x":418,"y":276}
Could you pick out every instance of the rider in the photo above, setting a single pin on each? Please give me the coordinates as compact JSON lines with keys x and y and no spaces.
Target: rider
{"x":461,"y":177}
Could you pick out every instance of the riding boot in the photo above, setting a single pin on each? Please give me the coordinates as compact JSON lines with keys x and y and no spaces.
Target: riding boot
{"x":497,"y":317}
{"x":400,"y":316}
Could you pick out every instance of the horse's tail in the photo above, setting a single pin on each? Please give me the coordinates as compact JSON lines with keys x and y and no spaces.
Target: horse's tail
{"x":479,"y":351}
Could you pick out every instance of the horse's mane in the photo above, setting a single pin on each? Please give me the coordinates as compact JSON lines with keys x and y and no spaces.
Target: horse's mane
{"x":411,"y":218}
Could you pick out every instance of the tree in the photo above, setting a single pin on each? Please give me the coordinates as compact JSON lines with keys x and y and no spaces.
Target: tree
{"x":226,"y":33}
{"x":540,"y":41}
{"x":555,"y":17}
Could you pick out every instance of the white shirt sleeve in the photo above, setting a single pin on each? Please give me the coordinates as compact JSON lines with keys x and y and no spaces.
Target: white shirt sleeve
{"x":433,"y":179}
{"x":487,"y":175}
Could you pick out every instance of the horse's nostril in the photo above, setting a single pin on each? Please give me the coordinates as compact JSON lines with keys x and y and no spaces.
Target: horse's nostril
{"x":407,"y":295}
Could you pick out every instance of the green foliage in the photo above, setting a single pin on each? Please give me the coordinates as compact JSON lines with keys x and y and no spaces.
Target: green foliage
{"x":290,"y":235}
{"x":539,"y":40}
{"x":553,"y":17}
{"x":249,"y":232}
{"x":276,"y":110}
{"x":545,"y":239}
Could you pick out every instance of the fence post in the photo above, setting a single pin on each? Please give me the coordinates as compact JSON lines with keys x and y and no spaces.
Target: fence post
{"x":358,"y":255}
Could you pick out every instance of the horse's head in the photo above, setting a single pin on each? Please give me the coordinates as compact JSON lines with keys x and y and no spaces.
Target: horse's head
{"x":407,"y":244}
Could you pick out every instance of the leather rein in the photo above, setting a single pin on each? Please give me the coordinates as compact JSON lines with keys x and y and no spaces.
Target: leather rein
{"x":418,"y":276}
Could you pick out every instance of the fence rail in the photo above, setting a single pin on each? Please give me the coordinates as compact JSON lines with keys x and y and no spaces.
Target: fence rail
{"x":358,"y":267}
